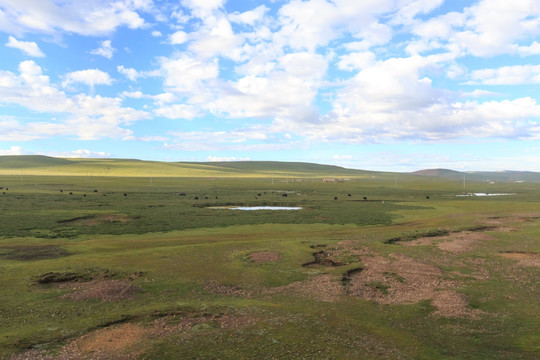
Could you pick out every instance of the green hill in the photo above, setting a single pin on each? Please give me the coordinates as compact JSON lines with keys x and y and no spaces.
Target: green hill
{"x":43,"y":165}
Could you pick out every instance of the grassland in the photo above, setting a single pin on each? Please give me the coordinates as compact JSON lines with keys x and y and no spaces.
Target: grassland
{"x":133,"y":262}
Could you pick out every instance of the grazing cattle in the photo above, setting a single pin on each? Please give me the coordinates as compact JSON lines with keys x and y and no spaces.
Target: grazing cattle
{"x":335,"y":197}
{"x":70,"y":193}
{"x":259,"y":194}
{"x":196,"y":198}
{"x":182,"y":194}
{"x":349,"y":195}
{"x":125,"y":194}
{"x":284,"y":195}
{"x":427,"y":197}
{"x":365,"y":198}
{"x":61,"y":190}
{"x":95,"y":190}
{"x":84,"y":195}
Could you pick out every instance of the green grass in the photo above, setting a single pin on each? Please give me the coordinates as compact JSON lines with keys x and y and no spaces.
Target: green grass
{"x":174,"y":249}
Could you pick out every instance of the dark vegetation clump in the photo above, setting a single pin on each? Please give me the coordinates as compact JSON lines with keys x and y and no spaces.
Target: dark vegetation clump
{"x":30,"y":253}
{"x":87,"y":274}
{"x":323,"y":258}
{"x":418,"y":235}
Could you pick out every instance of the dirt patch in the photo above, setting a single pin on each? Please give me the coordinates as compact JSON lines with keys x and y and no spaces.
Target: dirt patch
{"x":128,"y":341}
{"x":455,"y":243}
{"x":264,"y":257}
{"x":91,"y":220}
{"x":396,"y":280}
{"x":321,"y":287}
{"x":122,"y":342}
{"x":226,"y":290}
{"x":451,"y":304}
{"x":104,"y":290}
{"x":523,"y":258}
{"x":32,"y":252}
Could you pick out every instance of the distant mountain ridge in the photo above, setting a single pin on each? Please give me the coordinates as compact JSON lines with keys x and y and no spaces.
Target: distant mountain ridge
{"x":501,"y":176}
{"x":45,"y":165}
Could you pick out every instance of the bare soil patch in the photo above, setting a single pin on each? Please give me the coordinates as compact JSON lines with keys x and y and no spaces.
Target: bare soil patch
{"x":455,"y":243}
{"x":264,"y":257}
{"x":320,"y":287}
{"x":397,"y":280}
{"x":227,"y":290}
{"x":104,"y":290}
{"x":523,"y":258}
{"x":450,"y":304}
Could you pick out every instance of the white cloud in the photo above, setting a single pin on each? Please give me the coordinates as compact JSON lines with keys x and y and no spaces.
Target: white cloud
{"x":130,"y":73}
{"x":178,"y":38}
{"x":507,"y":75}
{"x":487,"y":28}
{"x":28,"y":47}
{"x":106,"y":50}
{"x":249,"y":17}
{"x":70,"y":16}
{"x":14,"y":150}
{"x":178,"y":111}
{"x":90,"y":77}
{"x":356,"y":60}
{"x":87,"y":117}
{"x":185,"y":74}
{"x":157,"y":33}
{"x":222,"y":159}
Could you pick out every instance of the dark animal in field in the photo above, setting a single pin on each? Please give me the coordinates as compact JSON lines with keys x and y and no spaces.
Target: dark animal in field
{"x":95,"y":190}
{"x":182,"y":194}
{"x":349,"y":195}
{"x":335,"y":197}
{"x":125,"y":194}
{"x":365,"y":198}
{"x":84,"y":195}
{"x":259,"y":194}
{"x":427,"y":197}
{"x":284,"y":195}
{"x":196,"y":198}
{"x":61,"y":190}
{"x":70,"y":193}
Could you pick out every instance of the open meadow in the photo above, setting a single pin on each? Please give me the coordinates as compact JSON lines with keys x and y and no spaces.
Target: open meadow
{"x":104,"y":259}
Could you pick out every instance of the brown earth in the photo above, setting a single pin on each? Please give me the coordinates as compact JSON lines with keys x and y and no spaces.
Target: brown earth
{"x":455,"y":243}
{"x":264,"y":256}
{"x":128,"y":341}
{"x":450,"y":303}
{"x":322,"y":287}
{"x":104,"y":290}
{"x":523,"y":258}
{"x":397,"y":280}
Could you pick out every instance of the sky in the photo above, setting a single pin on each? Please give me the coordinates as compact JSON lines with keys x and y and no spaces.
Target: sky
{"x":389,"y":85}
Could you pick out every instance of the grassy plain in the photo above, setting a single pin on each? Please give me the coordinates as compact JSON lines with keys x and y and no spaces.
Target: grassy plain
{"x":120,"y":266}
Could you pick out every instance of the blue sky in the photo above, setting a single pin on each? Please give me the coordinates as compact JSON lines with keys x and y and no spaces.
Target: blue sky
{"x":396,"y":85}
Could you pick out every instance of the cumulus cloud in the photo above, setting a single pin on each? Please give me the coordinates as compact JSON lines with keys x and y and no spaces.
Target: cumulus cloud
{"x":87,"y":117}
{"x":106,"y":50}
{"x":28,"y":47}
{"x":91,"y":18}
{"x":178,"y":111}
{"x":90,"y":77}
{"x":507,"y":75}
{"x":14,"y":150}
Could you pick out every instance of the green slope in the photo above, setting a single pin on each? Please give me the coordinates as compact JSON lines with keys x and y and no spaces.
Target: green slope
{"x":43,"y":165}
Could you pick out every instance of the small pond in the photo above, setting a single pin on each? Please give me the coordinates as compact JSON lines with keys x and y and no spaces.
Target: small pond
{"x":253,"y":208}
